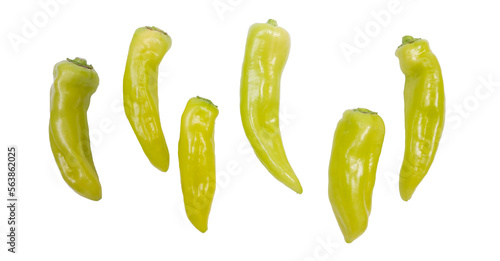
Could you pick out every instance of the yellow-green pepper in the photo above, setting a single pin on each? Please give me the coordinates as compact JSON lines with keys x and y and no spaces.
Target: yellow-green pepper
{"x":140,"y":92}
{"x":424,"y":111}
{"x":74,"y":83}
{"x":266,"y":53}
{"x":197,"y":159}
{"x":357,"y":144}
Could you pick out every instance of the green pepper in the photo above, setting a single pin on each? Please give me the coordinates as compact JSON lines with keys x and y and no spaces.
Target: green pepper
{"x":140,"y":92}
{"x":74,"y":83}
{"x":424,"y":111}
{"x":197,"y":159}
{"x":266,"y":53}
{"x":357,"y":144}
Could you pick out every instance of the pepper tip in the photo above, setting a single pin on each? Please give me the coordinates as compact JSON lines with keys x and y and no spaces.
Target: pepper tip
{"x":405,"y":197}
{"x":406,"y":192}
{"x":296,"y":187}
{"x":201,"y":227}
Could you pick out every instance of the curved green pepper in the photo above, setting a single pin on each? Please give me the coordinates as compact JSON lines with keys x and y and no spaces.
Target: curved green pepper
{"x":197,"y":159}
{"x":140,"y":92}
{"x":424,"y":111}
{"x":266,"y":53}
{"x":357,"y":144}
{"x":74,"y":83}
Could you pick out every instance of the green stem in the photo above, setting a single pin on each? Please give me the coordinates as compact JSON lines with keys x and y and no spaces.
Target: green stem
{"x":154,"y":28}
{"x":207,"y":101}
{"x":407,"y":39}
{"x":80,"y":62}
{"x":363,"y":110}
{"x":272,"y":22}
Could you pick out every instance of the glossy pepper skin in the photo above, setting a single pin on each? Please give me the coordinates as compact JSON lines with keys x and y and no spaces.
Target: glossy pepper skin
{"x":424,"y":111}
{"x":74,"y":83}
{"x":266,"y":53}
{"x":140,"y":92}
{"x":357,"y":144}
{"x":197,"y":159}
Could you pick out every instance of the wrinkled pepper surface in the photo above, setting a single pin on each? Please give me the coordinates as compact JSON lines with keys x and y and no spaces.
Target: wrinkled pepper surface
{"x":357,"y":144}
{"x":424,"y":111}
{"x":197,"y":159}
{"x":74,"y":83}
{"x":266,"y":53}
{"x":140,"y":92}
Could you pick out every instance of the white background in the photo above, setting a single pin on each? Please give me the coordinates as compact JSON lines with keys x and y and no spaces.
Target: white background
{"x":454,"y":213}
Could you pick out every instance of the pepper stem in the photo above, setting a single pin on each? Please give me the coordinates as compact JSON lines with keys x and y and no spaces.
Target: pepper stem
{"x":408,"y":39}
{"x":272,"y":22}
{"x":154,"y":28}
{"x":363,"y":110}
{"x":80,"y":62}
{"x":207,"y":101}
